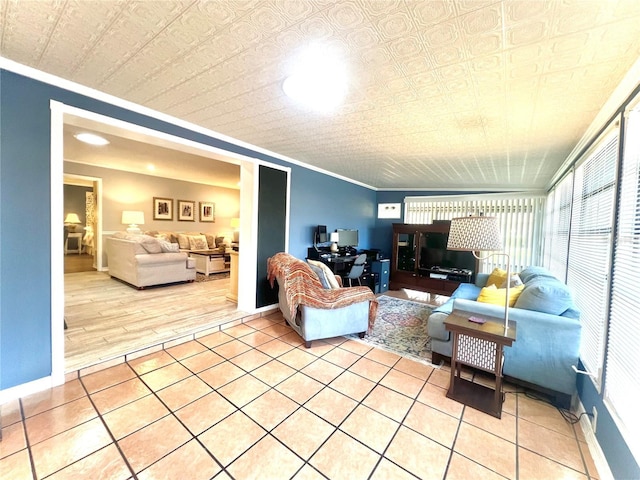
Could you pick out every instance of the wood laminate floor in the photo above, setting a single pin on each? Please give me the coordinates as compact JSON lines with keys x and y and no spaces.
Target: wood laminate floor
{"x":107,"y":318}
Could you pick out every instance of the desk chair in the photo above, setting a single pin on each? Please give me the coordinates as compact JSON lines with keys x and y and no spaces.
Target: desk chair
{"x":357,"y":269}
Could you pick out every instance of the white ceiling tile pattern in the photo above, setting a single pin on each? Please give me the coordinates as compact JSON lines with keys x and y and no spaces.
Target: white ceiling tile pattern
{"x":443,"y":94}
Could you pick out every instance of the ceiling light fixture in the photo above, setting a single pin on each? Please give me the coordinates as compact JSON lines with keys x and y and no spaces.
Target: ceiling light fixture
{"x":319,"y":80}
{"x":91,"y":139}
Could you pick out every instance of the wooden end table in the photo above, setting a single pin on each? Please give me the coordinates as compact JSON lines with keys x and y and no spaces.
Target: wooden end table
{"x":479,"y":346}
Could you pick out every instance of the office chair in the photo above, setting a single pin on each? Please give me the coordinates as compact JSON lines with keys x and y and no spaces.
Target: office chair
{"x":357,"y":269}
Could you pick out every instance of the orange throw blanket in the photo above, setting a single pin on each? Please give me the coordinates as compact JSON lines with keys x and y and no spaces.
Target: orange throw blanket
{"x":302,"y":287}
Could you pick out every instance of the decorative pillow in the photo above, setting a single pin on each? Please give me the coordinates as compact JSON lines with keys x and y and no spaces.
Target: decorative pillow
{"x":183,"y":241}
{"x":331,"y":278}
{"x":321,"y":276}
{"x":530,"y":273}
{"x":211,"y":241}
{"x":497,"y":277}
{"x":496,"y":295}
{"x":516,"y":281}
{"x":219,"y":241}
{"x":150,"y":244}
{"x":168,"y":247}
{"x":198,"y":242}
{"x":546,"y":295}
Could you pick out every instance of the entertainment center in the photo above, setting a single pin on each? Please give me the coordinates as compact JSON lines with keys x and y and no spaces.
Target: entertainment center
{"x":420,"y":259}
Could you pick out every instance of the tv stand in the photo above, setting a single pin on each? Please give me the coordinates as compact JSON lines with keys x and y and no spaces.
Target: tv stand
{"x":406,"y":269}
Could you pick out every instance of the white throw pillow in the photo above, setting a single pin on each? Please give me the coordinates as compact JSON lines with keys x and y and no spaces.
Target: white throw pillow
{"x":168,"y":247}
{"x":198,"y":242}
{"x":329,"y":275}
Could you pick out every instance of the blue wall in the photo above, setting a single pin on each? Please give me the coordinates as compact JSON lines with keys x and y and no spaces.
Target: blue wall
{"x":25,"y":223}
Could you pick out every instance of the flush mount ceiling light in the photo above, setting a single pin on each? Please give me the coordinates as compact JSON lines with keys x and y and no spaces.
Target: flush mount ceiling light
{"x":318,"y":80}
{"x":91,"y":139}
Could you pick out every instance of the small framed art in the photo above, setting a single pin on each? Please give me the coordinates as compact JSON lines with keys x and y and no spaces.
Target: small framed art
{"x":207,"y":212}
{"x":186,"y":211}
{"x":162,"y":208}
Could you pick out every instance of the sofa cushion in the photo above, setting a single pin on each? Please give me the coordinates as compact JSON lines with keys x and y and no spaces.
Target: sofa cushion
{"x":516,"y":281}
{"x":198,"y":242}
{"x":321,"y":276}
{"x":496,"y":296}
{"x":168,"y":246}
{"x":150,"y":244}
{"x":330,"y":277}
{"x":547,"y":295}
{"x":530,"y":273}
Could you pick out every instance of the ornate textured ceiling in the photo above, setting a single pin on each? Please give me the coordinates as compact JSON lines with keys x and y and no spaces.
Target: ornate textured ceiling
{"x":442,"y":94}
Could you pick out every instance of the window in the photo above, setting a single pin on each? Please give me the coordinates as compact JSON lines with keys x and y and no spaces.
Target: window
{"x":557,"y":222}
{"x":590,"y":246}
{"x":622,"y":383}
{"x":519,"y":216}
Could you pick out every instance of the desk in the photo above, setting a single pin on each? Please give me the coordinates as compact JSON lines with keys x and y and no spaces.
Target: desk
{"x":478,"y":346}
{"x":338,"y":265}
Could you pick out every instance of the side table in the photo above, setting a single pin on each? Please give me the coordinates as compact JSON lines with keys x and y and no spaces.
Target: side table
{"x":78,"y":238}
{"x":479,"y":346}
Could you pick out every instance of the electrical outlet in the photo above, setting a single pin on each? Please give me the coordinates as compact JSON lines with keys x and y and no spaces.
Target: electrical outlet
{"x":594,"y":419}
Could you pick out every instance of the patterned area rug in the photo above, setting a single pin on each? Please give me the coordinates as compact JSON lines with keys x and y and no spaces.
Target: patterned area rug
{"x":201,"y":277}
{"x":401,"y":328}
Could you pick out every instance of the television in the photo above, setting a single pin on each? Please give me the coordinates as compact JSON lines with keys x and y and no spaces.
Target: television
{"x":321,"y":234}
{"x":347,"y":238}
{"x":434,"y":253}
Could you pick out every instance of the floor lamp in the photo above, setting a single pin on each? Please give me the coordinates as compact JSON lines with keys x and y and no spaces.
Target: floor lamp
{"x":478,"y":234}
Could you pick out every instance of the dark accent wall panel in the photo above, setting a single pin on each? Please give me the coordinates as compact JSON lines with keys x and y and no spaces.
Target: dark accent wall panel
{"x":272,"y":223}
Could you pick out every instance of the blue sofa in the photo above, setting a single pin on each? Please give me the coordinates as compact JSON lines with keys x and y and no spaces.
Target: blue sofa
{"x":548,"y":332}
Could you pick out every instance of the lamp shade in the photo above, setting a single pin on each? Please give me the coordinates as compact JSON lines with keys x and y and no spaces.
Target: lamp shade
{"x":474,"y":234}
{"x":334,"y":237}
{"x":235,"y":222}
{"x":72,"y":218}
{"x":132,"y":217}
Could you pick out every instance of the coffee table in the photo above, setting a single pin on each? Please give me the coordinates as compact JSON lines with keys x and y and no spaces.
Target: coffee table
{"x":210,"y":261}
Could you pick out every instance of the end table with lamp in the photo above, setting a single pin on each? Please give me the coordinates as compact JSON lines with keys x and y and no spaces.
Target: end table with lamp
{"x":478,"y":341}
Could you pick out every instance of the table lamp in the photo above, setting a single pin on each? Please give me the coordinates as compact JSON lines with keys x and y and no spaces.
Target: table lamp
{"x":71,"y":221}
{"x":133,"y":219}
{"x":478,"y":234}
{"x":334,"y":237}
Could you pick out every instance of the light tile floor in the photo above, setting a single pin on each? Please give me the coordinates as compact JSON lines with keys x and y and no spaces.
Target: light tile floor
{"x":251,"y":402}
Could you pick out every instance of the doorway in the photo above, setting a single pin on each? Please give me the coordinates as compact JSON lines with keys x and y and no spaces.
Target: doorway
{"x":81,"y":200}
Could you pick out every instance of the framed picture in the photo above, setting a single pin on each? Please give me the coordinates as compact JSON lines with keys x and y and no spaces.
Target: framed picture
{"x":207,"y":212}
{"x":186,"y":211}
{"x":162,"y":208}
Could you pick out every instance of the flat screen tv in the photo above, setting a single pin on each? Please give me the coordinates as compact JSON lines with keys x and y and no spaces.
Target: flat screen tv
{"x":347,"y":238}
{"x":434,"y":253}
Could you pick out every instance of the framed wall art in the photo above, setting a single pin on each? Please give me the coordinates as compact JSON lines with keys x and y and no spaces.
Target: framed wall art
{"x":186,"y":211}
{"x":207,"y":212}
{"x":162,"y":208}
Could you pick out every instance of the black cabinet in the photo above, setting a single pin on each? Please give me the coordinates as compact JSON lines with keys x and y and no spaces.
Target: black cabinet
{"x":420,"y":260}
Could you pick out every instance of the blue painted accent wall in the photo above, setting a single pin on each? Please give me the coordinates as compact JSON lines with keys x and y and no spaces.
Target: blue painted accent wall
{"x":25,"y":223}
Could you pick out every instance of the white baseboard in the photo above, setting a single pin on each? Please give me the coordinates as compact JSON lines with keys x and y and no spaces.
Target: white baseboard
{"x":25,"y":389}
{"x":597,"y":454}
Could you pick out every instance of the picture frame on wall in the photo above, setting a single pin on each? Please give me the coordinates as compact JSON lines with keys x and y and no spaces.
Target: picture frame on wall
{"x":207,"y":212}
{"x":186,"y":211}
{"x":162,"y":208}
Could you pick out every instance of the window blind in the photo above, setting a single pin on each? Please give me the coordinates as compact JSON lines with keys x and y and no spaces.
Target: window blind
{"x":590,"y":247}
{"x":557,"y":224}
{"x":519,"y":216}
{"x":622,"y":382}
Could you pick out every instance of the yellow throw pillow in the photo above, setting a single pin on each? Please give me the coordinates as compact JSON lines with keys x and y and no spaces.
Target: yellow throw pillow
{"x":497,"y":277}
{"x":496,"y":295}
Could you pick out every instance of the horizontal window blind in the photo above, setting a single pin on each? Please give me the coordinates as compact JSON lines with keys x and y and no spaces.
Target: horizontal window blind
{"x":557,"y":224}
{"x":519,"y":216}
{"x":590,"y":247}
{"x":622,"y":383}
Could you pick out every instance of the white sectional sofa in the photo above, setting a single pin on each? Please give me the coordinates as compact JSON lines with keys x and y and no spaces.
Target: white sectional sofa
{"x":142,"y":261}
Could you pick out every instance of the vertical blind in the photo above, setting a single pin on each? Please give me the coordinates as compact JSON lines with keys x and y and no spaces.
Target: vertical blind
{"x":519,"y":216}
{"x":557,"y":224}
{"x":590,"y":247}
{"x":622,"y":382}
